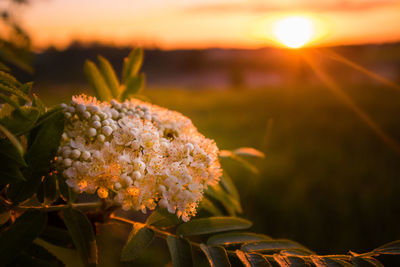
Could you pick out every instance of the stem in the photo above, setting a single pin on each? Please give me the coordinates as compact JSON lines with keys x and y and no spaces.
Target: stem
{"x":82,"y":206}
{"x":159,"y":232}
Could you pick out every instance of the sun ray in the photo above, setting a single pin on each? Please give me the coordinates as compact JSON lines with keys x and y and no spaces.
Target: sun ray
{"x":336,"y":90}
{"x":335,"y":56}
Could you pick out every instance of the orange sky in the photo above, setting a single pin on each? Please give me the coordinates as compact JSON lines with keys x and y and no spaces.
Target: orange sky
{"x":173,"y":24}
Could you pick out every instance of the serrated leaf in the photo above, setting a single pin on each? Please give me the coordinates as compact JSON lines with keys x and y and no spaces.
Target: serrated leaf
{"x":318,"y":261}
{"x":295,"y":252}
{"x":242,"y":257}
{"x":281,"y":260}
{"x":334,"y":262}
{"x":180,"y":250}
{"x":139,"y":239}
{"x":161,"y":218}
{"x":9,"y":101}
{"x":109,"y":76}
{"x":365,"y":262}
{"x":21,"y":234}
{"x":258,"y":260}
{"x":13,"y":91}
{"x":132,"y":64}
{"x":389,"y":248}
{"x":4,"y":67}
{"x":57,"y":236}
{"x":44,"y":141}
{"x":12,"y":150}
{"x":132,"y":86}
{"x":97,"y":81}
{"x":36,"y":102}
{"x":82,"y":235}
{"x":21,"y":120}
{"x":8,"y":79}
{"x":212,"y":225}
{"x":234,"y":238}
{"x":295,"y":261}
{"x":272,"y":246}
{"x":248,"y":151}
{"x":217,"y":256}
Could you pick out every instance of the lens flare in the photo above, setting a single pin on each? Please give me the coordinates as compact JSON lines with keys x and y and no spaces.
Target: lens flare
{"x":294,"y":32}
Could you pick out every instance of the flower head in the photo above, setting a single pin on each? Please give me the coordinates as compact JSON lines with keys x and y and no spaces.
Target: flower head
{"x":137,"y":153}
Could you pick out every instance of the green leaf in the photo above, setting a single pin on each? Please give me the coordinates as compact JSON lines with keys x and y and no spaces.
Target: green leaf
{"x":49,"y":115}
{"x":4,"y":67}
{"x":48,"y":190}
{"x":82,"y":235}
{"x":280,"y":260}
{"x":295,"y":261}
{"x":230,"y":204}
{"x":217,"y":256}
{"x":67,"y":193}
{"x":36,"y":255}
{"x":44,"y":141}
{"x":21,"y":120}
{"x":212,"y":225}
{"x":248,"y":151}
{"x":10,"y":101}
{"x":210,"y":207}
{"x":242,"y":257}
{"x":13,"y":91}
{"x":10,"y":173}
{"x":97,"y":81}
{"x":272,"y":246}
{"x":334,"y":262}
{"x":11,"y":149}
{"x":392,"y":248}
{"x":8,"y":79}
{"x":57,"y":236}
{"x":132,"y":86}
{"x":229,"y":185}
{"x":318,"y":261}
{"x":109,"y":76}
{"x":257,"y":260}
{"x":234,"y":238}
{"x":161,"y":218}
{"x":180,"y":250}
{"x":21,"y":234}
{"x":36,"y":102}
{"x":139,"y":239}
{"x":132,"y":64}
{"x":365,"y":262}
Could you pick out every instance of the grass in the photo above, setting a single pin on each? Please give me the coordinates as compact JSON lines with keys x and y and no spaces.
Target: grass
{"x":328,"y":181}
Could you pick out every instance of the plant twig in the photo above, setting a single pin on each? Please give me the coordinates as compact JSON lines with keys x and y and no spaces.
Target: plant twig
{"x":82,"y":206}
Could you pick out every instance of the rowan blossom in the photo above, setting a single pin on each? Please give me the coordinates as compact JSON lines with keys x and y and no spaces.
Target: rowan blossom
{"x":138,"y":154}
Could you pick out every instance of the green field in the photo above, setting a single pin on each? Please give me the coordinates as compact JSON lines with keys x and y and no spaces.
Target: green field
{"x":327,"y":180}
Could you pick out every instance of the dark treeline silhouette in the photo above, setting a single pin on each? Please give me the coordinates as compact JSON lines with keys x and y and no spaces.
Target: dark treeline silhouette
{"x":217,"y":68}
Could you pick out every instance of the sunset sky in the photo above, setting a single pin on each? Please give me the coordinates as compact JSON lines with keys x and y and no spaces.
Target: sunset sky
{"x":171,"y":24}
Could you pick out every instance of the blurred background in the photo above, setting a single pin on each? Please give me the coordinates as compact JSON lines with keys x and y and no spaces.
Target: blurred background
{"x":326,"y":114}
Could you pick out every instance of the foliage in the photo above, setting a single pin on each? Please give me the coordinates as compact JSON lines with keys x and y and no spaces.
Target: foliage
{"x":38,"y":210}
{"x":105,"y":83}
{"x":14,"y":42}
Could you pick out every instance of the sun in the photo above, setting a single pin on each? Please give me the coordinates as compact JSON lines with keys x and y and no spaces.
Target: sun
{"x":294,"y":32}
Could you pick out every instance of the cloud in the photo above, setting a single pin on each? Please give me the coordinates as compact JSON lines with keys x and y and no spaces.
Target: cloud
{"x":307,"y":5}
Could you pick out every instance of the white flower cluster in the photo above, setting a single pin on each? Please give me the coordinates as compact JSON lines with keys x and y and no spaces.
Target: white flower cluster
{"x":136,"y":153}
